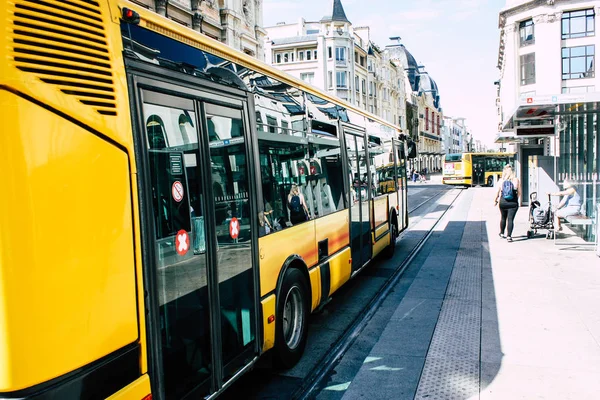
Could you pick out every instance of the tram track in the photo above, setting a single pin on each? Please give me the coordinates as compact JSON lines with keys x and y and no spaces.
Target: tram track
{"x":314,"y":380}
{"x":436,"y":194}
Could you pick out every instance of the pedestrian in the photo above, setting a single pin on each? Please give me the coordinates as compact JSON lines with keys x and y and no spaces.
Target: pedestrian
{"x":569,"y":205}
{"x":297,"y":206}
{"x":507,"y":196}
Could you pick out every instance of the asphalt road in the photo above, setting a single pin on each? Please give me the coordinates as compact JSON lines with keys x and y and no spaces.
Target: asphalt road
{"x":327,"y":326}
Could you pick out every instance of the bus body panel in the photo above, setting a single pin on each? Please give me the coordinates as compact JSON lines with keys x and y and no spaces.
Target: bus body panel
{"x":393,"y":200}
{"x":96,"y":96}
{"x":67,"y":271}
{"x":137,"y":390}
{"x":381,"y":244}
{"x":315,"y":283}
{"x":334,"y":227}
{"x":380,"y":209}
{"x":379,"y":232}
{"x":275,"y":249}
{"x":268,"y":305}
{"x":340,"y":269}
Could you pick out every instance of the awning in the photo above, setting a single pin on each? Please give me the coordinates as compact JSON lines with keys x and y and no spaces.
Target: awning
{"x":537,"y":111}
{"x":507,"y":137}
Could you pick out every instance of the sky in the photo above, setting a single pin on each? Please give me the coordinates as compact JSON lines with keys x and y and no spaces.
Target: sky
{"x":456,"y":41}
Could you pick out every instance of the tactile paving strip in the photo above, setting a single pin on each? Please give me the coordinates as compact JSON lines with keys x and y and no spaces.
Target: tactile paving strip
{"x":451,"y":368}
{"x":446,"y":379}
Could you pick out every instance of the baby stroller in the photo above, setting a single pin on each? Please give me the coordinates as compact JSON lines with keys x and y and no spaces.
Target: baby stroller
{"x":540,"y":218}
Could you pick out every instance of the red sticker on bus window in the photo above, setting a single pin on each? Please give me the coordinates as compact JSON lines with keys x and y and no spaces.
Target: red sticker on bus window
{"x":182,"y":242}
{"x":234,"y":228}
{"x":177,"y":191}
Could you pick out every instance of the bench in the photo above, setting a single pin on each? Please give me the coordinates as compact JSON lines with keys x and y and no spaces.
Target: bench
{"x":576,"y":220}
{"x":579,"y":220}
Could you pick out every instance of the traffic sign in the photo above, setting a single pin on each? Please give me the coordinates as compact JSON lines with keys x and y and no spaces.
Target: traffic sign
{"x":234,"y":228}
{"x":182,"y":242}
{"x":177,"y":191}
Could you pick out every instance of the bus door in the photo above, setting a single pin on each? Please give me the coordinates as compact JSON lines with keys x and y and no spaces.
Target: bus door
{"x":400,"y":159}
{"x":202,"y":277}
{"x":360,"y":214}
{"x":478,"y":174}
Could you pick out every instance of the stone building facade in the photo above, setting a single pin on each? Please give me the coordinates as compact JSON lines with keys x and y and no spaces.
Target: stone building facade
{"x":337,"y":57}
{"x":237,"y":23}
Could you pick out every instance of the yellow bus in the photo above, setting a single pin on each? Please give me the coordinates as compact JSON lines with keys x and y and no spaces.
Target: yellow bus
{"x":474,"y":169}
{"x":147,"y":245}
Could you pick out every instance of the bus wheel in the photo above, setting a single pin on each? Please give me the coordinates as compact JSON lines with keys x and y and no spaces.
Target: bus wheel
{"x":391,"y":248}
{"x":292,"y":319}
{"x":491,"y":181}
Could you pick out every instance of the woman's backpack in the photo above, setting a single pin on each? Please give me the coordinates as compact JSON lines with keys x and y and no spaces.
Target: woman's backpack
{"x":508,"y":190}
{"x":295,"y":205}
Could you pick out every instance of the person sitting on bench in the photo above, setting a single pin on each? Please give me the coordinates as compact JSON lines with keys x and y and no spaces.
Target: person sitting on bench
{"x":569,"y":205}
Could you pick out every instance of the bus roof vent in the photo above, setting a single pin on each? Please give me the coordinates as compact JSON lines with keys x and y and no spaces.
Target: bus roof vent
{"x":63,"y":43}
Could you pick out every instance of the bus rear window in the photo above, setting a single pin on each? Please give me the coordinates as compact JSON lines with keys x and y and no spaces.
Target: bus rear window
{"x":453,"y":157}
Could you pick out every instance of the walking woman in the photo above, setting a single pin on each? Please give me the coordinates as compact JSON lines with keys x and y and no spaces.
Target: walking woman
{"x":507,"y":195}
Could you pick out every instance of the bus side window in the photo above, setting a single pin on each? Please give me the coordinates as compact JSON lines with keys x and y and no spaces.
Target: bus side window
{"x":281,"y":165}
{"x":379,"y":158}
{"x":326,"y":178}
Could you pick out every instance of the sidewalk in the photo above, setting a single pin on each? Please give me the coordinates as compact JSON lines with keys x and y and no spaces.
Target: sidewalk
{"x":488,"y":319}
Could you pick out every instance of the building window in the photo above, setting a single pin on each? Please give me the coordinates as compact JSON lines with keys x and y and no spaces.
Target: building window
{"x":362,"y":61}
{"x":340,"y":54}
{"x":356,"y":57}
{"x":286,"y":57}
{"x":357,"y":83}
{"x":578,"y":62}
{"x":576,"y":24}
{"x":528,"y":69}
{"x":426,"y":119}
{"x":315,"y":54}
{"x":278,"y":58}
{"x":308,"y":55}
{"x":308,"y":77}
{"x":526,"y":32}
{"x":579,"y":89}
{"x":301,"y":56}
{"x":329,"y":79}
{"x":272,"y":124}
{"x":341,"y":79}
{"x":329,"y":53}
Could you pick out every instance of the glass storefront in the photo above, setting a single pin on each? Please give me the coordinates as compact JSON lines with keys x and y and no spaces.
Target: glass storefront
{"x":578,"y":151}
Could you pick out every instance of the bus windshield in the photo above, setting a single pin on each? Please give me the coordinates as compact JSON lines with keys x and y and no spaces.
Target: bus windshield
{"x":454,"y":157}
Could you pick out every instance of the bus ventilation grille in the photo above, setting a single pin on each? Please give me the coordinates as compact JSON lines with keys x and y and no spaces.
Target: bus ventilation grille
{"x":64,"y":44}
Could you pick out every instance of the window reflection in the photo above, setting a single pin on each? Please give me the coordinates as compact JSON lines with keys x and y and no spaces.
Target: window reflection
{"x":313,"y":167}
{"x":172,"y":139}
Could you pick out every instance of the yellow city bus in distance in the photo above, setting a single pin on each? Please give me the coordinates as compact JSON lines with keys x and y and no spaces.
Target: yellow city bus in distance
{"x":474,"y":169}
{"x":153,"y":241}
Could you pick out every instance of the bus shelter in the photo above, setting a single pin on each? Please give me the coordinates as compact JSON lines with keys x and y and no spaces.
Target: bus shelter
{"x":563,"y":129}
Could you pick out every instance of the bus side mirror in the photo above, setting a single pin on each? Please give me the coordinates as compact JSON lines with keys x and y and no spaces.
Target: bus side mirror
{"x":412,"y":150}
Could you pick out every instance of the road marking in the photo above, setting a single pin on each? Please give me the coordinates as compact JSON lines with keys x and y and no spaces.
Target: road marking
{"x":371,"y":359}
{"x":339,"y":388}
{"x":386,"y":368}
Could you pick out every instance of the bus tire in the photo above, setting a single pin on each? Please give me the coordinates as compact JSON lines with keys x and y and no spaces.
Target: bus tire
{"x":291,"y":329}
{"x":391,"y":248}
{"x":490,"y":181}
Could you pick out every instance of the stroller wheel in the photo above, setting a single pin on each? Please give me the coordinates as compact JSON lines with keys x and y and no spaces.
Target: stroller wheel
{"x":529,"y":234}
